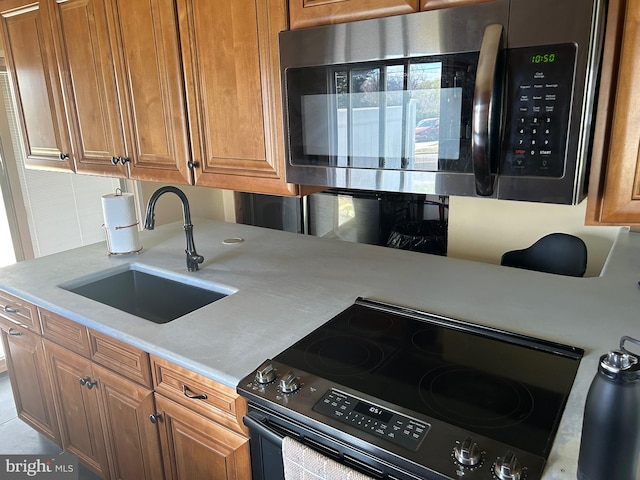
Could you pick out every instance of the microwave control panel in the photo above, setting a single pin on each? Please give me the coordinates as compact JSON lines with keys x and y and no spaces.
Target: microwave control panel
{"x":539,"y":92}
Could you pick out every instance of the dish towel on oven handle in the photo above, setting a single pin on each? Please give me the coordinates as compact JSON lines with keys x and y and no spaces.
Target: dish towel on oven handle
{"x":304,"y":463}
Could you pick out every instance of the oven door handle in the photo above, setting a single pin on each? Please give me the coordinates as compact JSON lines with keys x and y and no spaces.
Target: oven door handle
{"x":486,"y":109}
{"x":262,"y":429}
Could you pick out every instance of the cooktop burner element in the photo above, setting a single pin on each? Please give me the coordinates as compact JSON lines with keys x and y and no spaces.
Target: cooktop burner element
{"x":412,"y":383}
{"x":343,"y":355}
{"x":475,"y":399}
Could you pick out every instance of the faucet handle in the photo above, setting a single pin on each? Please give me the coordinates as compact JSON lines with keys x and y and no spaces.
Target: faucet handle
{"x":193,"y":259}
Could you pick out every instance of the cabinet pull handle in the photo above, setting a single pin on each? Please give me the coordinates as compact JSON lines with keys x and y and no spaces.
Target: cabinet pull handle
{"x":13,"y":332}
{"x":154,"y":418}
{"x":83,"y":381}
{"x":185,"y":390}
{"x":9,"y":309}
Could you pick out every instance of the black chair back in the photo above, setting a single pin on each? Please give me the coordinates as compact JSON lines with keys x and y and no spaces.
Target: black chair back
{"x":558,"y":253}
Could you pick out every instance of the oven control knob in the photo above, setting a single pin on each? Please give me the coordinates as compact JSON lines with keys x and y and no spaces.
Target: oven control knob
{"x":467,"y":453}
{"x":289,"y":383}
{"x":265,"y":373}
{"x":508,"y":467}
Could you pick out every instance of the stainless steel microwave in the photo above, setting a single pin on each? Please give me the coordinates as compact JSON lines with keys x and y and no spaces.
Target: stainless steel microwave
{"x":494,"y":100}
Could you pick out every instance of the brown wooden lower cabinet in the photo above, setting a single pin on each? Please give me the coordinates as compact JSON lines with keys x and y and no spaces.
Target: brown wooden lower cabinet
{"x":95,"y":397}
{"x":194,"y":446}
{"x":133,"y":440}
{"x":78,"y":408}
{"x":30,"y":382}
{"x":107,"y":425}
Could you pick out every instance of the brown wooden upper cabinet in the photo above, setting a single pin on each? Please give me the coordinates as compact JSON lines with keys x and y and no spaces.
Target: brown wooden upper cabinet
{"x":124,"y":85}
{"x":614,"y":185}
{"x":30,"y":56}
{"x":435,"y":4}
{"x":180,"y":91}
{"x":311,"y":13}
{"x":230,"y":55}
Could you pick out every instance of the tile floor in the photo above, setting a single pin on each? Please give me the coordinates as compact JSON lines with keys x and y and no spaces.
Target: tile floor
{"x":16,"y":437}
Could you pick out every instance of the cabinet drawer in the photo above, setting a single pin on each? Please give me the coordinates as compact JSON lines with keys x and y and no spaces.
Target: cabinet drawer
{"x":128,"y":361}
{"x":200,"y":394}
{"x":65,"y":332}
{"x":19,"y":312}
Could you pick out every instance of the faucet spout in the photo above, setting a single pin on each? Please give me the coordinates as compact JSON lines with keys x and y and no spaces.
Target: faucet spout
{"x":193,"y":258}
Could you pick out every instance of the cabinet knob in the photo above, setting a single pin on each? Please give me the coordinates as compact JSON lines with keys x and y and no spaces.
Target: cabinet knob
{"x":87,"y":382}
{"x":124,"y":160}
{"x":191,"y":164}
{"x":64,"y":156}
{"x":154,"y":418}
{"x":115,"y":160}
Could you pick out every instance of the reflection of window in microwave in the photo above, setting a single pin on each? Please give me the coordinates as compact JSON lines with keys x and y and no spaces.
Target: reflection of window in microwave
{"x":386,"y":116}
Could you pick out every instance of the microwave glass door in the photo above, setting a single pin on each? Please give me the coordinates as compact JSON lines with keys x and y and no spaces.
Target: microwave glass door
{"x":411,"y":114}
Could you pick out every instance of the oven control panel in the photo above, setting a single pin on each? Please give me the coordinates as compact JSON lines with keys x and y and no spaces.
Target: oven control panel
{"x":392,"y":426}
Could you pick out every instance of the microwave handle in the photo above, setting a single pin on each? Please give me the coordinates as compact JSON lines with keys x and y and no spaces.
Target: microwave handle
{"x":484,"y":109}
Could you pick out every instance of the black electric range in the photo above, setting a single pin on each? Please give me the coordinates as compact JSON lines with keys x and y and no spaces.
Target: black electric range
{"x":400,"y":393}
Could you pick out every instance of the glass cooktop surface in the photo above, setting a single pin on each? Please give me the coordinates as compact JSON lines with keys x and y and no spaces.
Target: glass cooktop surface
{"x":504,"y":386}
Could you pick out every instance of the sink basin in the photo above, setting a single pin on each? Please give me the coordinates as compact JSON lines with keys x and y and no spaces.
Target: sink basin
{"x":146,"y":294}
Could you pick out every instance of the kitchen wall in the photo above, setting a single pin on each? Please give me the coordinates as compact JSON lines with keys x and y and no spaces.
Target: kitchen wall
{"x":203,"y":203}
{"x":483,"y":229}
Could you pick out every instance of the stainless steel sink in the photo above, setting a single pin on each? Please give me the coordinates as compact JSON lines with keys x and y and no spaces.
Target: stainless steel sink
{"x":145,"y":294}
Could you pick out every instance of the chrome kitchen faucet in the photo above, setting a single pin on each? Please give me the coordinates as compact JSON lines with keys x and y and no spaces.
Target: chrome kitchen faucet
{"x":193,"y":259}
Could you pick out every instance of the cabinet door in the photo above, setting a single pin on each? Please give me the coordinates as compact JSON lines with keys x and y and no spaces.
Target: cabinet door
{"x":145,"y":39}
{"x":230,"y":55}
{"x":614,"y":186}
{"x":78,"y":408}
{"x":36,"y":84}
{"x":134,"y":443}
{"x":195,"y":447}
{"x":435,"y":4}
{"x":30,"y":380}
{"x":92,"y":97}
{"x":310,"y":13}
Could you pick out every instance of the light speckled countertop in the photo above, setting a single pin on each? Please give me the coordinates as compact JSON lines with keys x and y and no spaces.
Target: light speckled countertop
{"x":288,"y":284}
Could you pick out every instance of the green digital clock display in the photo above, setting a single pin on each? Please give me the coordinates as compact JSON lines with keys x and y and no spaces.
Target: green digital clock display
{"x":543,"y":58}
